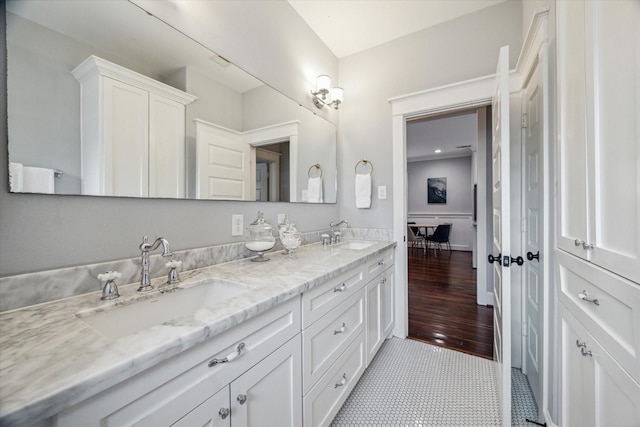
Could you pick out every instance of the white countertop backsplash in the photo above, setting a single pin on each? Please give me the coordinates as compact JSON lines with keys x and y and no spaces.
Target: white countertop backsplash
{"x":50,"y":359}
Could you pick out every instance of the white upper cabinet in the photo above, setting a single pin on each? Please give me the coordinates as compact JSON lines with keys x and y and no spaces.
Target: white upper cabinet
{"x":133,"y":132}
{"x":598,"y":46}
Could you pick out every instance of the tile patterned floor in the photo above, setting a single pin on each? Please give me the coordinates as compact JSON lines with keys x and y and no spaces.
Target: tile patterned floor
{"x":410,"y":383}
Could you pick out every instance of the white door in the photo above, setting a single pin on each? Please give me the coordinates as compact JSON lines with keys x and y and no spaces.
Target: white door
{"x":533,"y":216}
{"x":167,"y":148}
{"x":270,"y":393}
{"x":501,"y":238}
{"x":126,"y":141}
{"x":213,"y":412}
{"x":223,"y":165}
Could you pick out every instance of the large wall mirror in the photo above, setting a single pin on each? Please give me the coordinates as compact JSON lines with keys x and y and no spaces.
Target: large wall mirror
{"x":105,"y":99}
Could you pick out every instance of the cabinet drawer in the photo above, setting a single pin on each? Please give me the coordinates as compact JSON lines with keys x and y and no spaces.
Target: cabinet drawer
{"x":163,"y":394}
{"x":320,"y":300}
{"x":378,"y":263}
{"x":615,"y":319}
{"x":325,"y":340}
{"x":324,"y":400}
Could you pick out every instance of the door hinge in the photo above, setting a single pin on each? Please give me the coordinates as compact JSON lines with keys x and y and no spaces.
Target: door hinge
{"x":524,"y":329}
{"x":524,"y":120}
{"x":524,"y":225}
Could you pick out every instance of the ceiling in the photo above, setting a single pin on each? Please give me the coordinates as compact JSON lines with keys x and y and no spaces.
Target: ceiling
{"x":351,"y":26}
{"x":455,"y":135}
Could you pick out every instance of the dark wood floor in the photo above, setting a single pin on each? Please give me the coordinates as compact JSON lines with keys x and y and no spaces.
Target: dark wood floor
{"x":442,"y":303}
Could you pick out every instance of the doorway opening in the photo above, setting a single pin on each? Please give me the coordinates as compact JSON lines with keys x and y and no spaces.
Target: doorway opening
{"x":273,"y":172}
{"x":448,"y":306}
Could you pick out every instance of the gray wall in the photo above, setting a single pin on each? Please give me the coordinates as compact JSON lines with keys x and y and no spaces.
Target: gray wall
{"x":459,"y":187}
{"x":457,"y":50}
{"x":39,"y":232}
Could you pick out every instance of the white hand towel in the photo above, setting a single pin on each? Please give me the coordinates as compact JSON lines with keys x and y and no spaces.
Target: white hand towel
{"x":15,"y":177}
{"x":38,"y":180}
{"x":363,"y":191}
{"x":314,"y":190}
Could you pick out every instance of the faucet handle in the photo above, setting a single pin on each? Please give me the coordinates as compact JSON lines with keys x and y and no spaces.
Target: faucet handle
{"x":110,"y":289}
{"x":173,"y":276}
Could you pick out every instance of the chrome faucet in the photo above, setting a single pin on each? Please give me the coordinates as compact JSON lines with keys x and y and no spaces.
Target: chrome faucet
{"x":333,"y":236}
{"x":145,"y":247}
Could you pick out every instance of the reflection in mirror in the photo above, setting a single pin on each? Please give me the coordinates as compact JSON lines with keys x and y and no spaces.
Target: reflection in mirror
{"x":104,"y":99}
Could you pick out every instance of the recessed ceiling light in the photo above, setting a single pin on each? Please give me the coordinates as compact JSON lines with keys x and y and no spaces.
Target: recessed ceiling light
{"x":438,"y":151}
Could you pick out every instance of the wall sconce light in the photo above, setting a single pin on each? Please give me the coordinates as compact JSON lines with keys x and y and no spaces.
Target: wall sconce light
{"x":325,"y":94}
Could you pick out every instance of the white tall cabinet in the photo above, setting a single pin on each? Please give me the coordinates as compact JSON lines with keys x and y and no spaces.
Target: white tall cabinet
{"x":598,"y":258}
{"x":133,"y":132}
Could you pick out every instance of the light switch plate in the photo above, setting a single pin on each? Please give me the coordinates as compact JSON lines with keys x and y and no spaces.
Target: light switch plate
{"x":237,"y":225}
{"x":382,"y":192}
{"x":305,"y":195}
{"x":281,"y":218}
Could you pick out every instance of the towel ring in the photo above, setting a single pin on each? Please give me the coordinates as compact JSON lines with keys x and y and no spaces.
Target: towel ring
{"x":317,"y":166}
{"x":365,"y":162}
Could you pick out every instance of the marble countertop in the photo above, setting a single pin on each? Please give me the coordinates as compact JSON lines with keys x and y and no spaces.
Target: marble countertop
{"x":50,"y":359}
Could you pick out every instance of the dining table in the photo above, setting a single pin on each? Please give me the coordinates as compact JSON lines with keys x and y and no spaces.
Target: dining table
{"x":426,"y":228}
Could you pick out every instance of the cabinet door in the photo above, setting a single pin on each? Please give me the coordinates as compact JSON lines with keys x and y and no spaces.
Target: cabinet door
{"x":616,"y":394}
{"x":214,"y":412}
{"x":374,"y":317}
{"x":125,"y":160}
{"x":576,"y":376}
{"x":270,"y":393}
{"x":572,"y":151}
{"x":613,"y":135}
{"x":167,"y":148}
{"x":388,"y":303}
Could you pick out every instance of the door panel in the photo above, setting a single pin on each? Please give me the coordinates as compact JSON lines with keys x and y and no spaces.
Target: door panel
{"x":533,"y":185}
{"x":501,"y":234}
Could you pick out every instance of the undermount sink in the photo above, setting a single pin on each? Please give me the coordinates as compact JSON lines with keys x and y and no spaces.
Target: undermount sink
{"x":356,"y":244}
{"x":122,"y":321}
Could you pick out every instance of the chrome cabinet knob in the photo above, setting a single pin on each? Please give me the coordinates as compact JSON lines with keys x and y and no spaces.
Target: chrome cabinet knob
{"x":224,"y":413}
{"x":242,"y":398}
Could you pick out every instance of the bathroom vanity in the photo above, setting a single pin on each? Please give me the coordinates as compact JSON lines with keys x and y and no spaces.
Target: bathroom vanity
{"x":275,"y":343}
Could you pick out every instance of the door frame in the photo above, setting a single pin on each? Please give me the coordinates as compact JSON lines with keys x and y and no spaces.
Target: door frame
{"x":467,"y":95}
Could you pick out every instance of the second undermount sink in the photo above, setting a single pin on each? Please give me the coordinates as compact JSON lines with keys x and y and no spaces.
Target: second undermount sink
{"x":356,"y":244}
{"x":125,"y":320}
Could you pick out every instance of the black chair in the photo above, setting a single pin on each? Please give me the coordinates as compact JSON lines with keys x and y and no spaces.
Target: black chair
{"x":440,"y":236}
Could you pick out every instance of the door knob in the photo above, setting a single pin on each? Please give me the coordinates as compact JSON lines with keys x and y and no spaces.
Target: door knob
{"x":518,"y":260}
{"x":493,"y":259}
{"x":531,"y":256}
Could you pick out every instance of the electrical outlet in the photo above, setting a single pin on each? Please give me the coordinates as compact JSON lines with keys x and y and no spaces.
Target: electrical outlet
{"x":305,"y":195}
{"x":237,"y":225}
{"x":281,"y":218}
{"x":382,"y":192}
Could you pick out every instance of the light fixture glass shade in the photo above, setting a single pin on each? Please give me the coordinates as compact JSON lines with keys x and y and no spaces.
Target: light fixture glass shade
{"x":323,"y":83}
{"x":337,"y":95}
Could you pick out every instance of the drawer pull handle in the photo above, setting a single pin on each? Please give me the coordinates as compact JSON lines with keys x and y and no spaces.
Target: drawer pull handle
{"x":230,"y":357}
{"x":242,"y":398}
{"x":584,"y":244}
{"x":223,"y":412}
{"x":342,"y":382}
{"x":340,"y":288}
{"x":584,"y":296}
{"x":585,"y":353}
{"x":580,"y":344}
{"x":341,"y":330}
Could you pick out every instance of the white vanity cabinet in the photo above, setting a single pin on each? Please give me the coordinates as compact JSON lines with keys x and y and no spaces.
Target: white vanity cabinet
{"x":133,"y":132}
{"x":191,"y":386}
{"x":380,"y":302}
{"x":345,"y":321}
{"x":598,"y":45}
